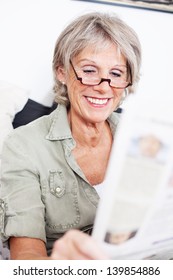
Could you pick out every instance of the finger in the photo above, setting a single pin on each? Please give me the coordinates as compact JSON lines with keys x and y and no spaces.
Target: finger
{"x":77,"y":245}
{"x":88,"y":246}
{"x":65,"y":248}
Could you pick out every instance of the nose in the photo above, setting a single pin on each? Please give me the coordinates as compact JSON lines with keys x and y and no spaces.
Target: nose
{"x":104,"y":85}
{"x":105,"y":80}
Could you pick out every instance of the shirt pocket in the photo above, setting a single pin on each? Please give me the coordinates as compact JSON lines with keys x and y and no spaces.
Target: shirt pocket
{"x":62,"y":209}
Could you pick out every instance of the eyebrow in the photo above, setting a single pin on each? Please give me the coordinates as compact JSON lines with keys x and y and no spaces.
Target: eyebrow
{"x":94,"y":62}
{"x":87,"y":60}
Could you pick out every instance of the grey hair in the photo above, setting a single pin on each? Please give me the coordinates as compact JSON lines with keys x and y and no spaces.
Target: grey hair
{"x":95,"y":29}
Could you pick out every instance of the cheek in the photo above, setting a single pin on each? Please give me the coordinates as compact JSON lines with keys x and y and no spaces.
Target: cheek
{"x":75,"y":90}
{"x":119,"y":94}
{"x":71,"y":88}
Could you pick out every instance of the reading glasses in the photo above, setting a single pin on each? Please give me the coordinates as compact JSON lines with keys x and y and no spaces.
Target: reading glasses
{"x":93,"y":79}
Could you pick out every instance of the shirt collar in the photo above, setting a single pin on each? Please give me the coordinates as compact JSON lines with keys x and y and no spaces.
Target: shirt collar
{"x":59,"y":125}
{"x":60,"y":128}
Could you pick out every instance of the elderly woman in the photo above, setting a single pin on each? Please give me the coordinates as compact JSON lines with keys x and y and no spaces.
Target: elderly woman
{"x":53,"y":168}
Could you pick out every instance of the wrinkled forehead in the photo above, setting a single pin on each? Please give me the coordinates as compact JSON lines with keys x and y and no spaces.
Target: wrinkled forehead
{"x":105,"y":50}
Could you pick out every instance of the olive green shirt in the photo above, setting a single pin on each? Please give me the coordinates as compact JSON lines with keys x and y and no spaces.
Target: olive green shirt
{"x":44,"y":192}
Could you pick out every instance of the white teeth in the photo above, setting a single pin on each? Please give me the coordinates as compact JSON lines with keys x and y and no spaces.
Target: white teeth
{"x":97,"y":101}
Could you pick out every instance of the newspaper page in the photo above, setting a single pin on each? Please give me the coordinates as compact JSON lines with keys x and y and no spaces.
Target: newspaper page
{"x":135,"y":214}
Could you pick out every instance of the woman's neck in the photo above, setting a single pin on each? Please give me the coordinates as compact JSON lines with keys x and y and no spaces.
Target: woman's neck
{"x":88,"y":134}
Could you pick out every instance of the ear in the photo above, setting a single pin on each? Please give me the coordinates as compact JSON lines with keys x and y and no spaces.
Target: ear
{"x":60,"y":74}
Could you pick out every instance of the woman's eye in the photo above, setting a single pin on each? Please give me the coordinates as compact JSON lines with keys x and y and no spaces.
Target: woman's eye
{"x":116,"y":74}
{"x":89,"y":71}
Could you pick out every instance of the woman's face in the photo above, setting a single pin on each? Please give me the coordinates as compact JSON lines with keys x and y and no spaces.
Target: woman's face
{"x":93,"y":104}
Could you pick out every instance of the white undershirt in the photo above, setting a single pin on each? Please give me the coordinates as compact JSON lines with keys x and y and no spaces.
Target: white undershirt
{"x":99,"y":189}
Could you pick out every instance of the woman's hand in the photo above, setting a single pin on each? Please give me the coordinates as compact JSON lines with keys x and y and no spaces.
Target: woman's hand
{"x":76,"y":245}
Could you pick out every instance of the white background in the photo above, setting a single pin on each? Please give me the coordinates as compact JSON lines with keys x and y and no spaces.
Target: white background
{"x":29,"y":29}
{"x":106,"y":270}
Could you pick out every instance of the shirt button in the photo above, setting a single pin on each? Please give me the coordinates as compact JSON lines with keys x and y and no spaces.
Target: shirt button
{"x":58,"y":190}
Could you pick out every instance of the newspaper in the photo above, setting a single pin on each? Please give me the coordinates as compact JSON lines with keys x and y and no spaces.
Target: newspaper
{"x":135,"y":214}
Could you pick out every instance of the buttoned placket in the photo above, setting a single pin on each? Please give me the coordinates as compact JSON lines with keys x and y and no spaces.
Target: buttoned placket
{"x":68,"y":145}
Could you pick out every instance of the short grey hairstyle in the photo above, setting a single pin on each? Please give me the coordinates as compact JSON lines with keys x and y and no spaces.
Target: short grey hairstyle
{"x":95,"y":29}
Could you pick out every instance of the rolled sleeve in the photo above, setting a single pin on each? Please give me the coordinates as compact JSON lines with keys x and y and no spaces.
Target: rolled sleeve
{"x":23,"y":210}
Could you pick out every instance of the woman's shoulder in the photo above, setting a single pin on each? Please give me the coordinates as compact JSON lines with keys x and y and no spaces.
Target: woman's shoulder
{"x":35,"y":129}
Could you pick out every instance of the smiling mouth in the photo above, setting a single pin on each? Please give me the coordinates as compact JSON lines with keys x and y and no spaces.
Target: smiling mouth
{"x":97,"y":101}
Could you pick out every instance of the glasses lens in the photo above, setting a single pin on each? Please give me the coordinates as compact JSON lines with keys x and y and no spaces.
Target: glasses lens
{"x":90,"y":76}
{"x":92,"y":80}
{"x":117,"y":83}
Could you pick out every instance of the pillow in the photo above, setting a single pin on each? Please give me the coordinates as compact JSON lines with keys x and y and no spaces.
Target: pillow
{"x":12,"y":100}
{"x":31,"y":111}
